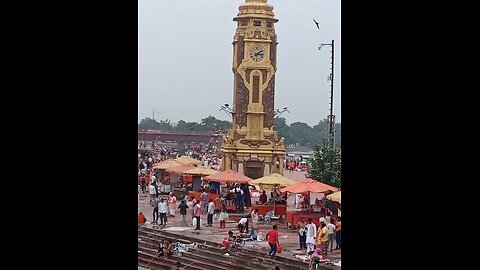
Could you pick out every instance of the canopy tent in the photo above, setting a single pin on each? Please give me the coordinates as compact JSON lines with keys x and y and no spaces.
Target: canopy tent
{"x":276,"y":180}
{"x":187,"y":160}
{"x":229,"y":176}
{"x":167,"y":164}
{"x":176,"y":172}
{"x":180,"y":169}
{"x":196,"y":174}
{"x":200,"y":171}
{"x":309,"y":185}
{"x":336,"y":197}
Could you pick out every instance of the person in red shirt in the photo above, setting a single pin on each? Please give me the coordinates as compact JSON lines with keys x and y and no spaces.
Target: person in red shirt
{"x":272,"y":239}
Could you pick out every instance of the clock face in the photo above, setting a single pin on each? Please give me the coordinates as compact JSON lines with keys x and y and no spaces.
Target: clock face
{"x":257,"y":53}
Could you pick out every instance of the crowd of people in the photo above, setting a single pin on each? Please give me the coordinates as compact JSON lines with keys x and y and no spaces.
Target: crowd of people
{"x":317,"y":241}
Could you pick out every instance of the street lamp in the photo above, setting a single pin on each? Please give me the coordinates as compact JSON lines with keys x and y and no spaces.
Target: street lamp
{"x":331,"y":117}
{"x":226,"y":108}
{"x":278,"y":112}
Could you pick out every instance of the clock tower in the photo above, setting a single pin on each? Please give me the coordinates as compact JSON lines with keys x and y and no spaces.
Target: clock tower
{"x":252,"y":146}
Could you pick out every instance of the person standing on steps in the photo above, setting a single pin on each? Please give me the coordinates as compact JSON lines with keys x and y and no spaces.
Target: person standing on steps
{"x":254,"y":216}
{"x":197,"y":212}
{"x":302,"y":234}
{"x":311,"y":235}
{"x":162,"y":210}
{"x":204,"y":197}
{"x":156,"y":201}
{"x":272,"y":239}
{"x":172,"y":204}
{"x":331,"y":235}
{"x":151,"y":191}
{"x":210,"y":212}
{"x":323,"y":238}
{"x":143,"y":184}
{"x":338,"y":231}
{"x":183,"y":211}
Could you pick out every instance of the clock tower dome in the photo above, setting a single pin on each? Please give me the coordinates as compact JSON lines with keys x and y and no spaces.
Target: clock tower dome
{"x":252,"y":146}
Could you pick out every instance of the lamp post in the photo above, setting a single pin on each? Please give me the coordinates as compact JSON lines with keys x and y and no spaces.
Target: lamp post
{"x":331,"y":117}
{"x":226,"y":108}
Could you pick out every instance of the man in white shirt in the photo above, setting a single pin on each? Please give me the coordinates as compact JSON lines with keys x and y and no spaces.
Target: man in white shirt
{"x":153,"y":178}
{"x":151,"y":191}
{"x":238,"y":197}
{"x":243,"y":224}
{"x":210,"y":212}
{"x":162,"y":211}
{"x":311,"y":235}
{"x":331,"y":235}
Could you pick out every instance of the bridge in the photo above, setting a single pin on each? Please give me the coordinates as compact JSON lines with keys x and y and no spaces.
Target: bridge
{"x":164,"y":136}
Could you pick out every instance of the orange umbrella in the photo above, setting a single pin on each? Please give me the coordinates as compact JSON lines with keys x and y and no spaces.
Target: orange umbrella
{"x":180,"y":169}
{"x":229,"y":176}
{"x":309,"y":185}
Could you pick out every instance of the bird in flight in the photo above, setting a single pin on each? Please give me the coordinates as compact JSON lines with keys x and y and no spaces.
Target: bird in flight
{"x":316,"y":23}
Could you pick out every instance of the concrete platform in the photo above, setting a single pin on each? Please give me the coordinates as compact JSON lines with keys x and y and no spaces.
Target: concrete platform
{"x":288,"y":238}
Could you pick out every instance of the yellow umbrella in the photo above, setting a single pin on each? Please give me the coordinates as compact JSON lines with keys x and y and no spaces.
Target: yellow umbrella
{"x":276,"y":180}
{"x":335,"y":197}
{"x":273,"y":179}
{"x":187,"y":160}
{"x":200,"y":171}
{"x":167,"y":164}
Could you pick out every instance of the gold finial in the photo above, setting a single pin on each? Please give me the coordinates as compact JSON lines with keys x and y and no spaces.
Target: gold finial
{"x":258,"y":8}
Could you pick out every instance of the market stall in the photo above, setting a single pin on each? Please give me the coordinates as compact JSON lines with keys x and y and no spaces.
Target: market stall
{"x":164,"y":177}
{"x":226,"y":178}
{"x":273,"y":182}
{"x":307,"y":186}
{"x":176,"y":173}
{"x":197,"y":174}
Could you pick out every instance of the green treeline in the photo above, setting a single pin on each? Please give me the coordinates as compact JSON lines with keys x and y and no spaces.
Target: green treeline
{"x":295,"y":133}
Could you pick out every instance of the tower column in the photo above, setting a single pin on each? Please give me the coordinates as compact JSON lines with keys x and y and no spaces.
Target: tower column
{"x":252,"y":142}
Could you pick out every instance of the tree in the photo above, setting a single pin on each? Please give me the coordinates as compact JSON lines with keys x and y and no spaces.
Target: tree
{"x":165,"y":125}
{"x":211,"y":124}
{"x":338,"y":133}
{"x":301,"y":133}
{"x":326,"y":164}
{"x":297,"y":132}
{"x":148,"y":123}
{"x":283,"y":129}
{"x":188,"y":126}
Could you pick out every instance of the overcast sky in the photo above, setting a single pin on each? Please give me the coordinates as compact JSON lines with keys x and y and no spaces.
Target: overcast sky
{"x":185,"y":58}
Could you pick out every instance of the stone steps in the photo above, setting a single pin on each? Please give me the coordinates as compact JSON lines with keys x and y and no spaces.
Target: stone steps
{"x":183,"y":259}
{"x":145,"y":258}
{"x":255,"y":259}
{"x":213,"y":255}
